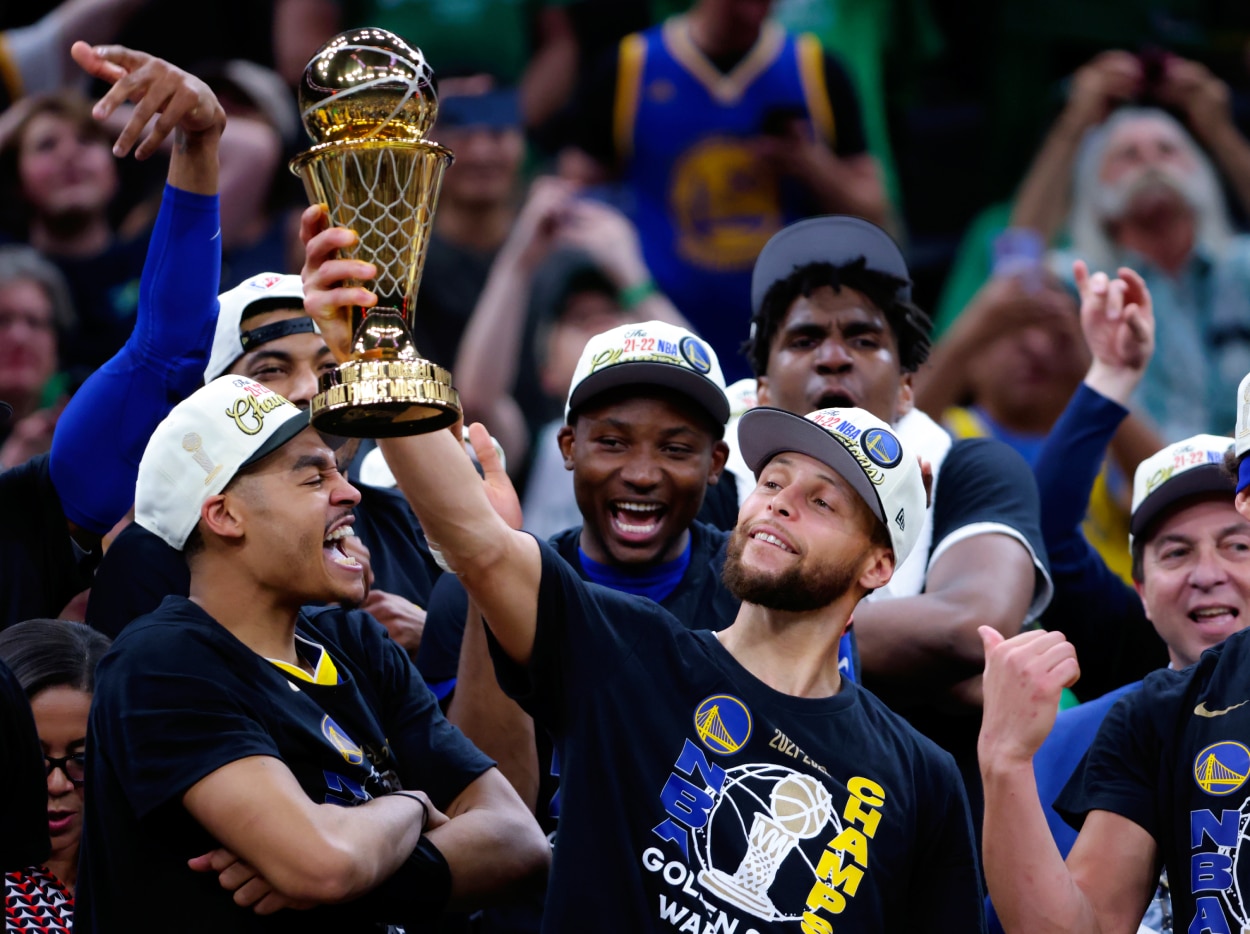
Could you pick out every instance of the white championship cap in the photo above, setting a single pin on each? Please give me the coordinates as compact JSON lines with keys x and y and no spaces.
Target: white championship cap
{"x":231,"y":342}
{"x":860,"y":447}
{"x":651,"y":353}
{"x":199,"y":447}
{"x":1186,"y":468}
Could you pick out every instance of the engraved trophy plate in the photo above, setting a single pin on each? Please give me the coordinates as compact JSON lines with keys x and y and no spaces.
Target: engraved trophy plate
{"x":367,"y":101}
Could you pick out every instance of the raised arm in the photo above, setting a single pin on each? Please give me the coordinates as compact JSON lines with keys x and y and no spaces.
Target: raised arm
{"x":1191,"y":89}
{"x":108,"y":421}
{"x":1111,"y":871}
{"x":1043,"y":199}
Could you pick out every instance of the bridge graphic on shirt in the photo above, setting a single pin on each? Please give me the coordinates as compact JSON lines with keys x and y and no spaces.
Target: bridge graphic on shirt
{"x":712,"y":730}
{"x":1214,"y":775}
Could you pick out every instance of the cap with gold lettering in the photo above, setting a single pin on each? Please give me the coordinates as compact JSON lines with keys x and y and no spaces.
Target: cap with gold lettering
{"x":208,"y":438}
{"x":650,"y":353}
{"x":856,"y":445}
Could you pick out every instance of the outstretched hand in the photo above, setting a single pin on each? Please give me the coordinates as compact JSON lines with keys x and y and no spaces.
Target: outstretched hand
{"x":499,"y":489}
{"x":1117,"y":318}
{"x":178,"y":100}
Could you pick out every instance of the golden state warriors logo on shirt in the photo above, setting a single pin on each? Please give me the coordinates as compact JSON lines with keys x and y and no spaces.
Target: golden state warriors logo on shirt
{"x":881,"y":447}
{"x":695,"y":353}
{"x":725,"y":204}
{"x":723,"y":724}
{"x":1222,"y":767}
{"x":339,"y":739}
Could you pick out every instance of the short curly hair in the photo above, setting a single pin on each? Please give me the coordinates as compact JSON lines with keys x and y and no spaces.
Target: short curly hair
{"x":911,"y":326}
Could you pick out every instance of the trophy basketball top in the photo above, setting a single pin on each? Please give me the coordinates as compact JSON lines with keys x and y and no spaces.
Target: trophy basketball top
{"x":367,"y":83}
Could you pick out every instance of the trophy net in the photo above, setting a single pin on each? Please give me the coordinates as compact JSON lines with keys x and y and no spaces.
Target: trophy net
{"x":386,"y":192}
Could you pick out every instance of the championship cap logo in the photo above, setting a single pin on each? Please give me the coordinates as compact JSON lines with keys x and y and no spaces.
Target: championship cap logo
{"x":881,"y":447}
{"x":696,"y":354}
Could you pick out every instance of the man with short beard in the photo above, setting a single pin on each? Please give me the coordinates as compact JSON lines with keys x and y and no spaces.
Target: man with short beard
{"x":735,"y":778}
{"x":1138,"y":190}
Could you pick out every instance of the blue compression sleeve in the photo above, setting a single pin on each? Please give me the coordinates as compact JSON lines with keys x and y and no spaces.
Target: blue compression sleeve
{"x":101,"y":435}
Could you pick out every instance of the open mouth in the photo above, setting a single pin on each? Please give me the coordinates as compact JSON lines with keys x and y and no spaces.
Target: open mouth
{"x":836,"y":400}
{"x":1214,"y":614}
{"x":633,"y":520}
{"x":333,"y":546}
{"x":59,"y":821}
{"x":768,"y":538}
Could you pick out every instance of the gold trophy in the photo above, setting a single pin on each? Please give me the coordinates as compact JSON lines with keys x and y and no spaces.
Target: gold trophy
{"x":368,"y":101}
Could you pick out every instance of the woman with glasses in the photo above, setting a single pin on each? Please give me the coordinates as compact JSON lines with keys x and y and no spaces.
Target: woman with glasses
{"x":54,"y":661}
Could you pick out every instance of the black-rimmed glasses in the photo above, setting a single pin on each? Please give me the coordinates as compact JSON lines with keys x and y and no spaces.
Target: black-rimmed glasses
{"x":73,"y":766}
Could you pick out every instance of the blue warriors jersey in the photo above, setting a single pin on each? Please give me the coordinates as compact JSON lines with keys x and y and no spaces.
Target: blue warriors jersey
{"x":705,"y":203}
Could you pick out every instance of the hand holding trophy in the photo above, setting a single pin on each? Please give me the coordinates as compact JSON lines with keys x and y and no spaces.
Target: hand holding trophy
{"x":368,"y":101}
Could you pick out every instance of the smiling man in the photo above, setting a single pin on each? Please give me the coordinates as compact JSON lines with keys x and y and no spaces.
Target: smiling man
{"x":835,"y":325}
{"x":283,"y":736}
{"x":725,"y":780}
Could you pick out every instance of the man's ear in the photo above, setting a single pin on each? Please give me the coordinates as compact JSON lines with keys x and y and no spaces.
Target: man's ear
{"x":720,"y":454}
{"x":906,"y":399}
{"x":878,"y":568}
{"x":221,"y":516}
{"x":1242,"y":503}
{"x":762,"y":396}
{"x":564,"y":437}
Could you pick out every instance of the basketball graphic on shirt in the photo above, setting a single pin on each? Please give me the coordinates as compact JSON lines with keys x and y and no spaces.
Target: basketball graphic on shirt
{"x":800,"y":804}
{"x":765,"y":834}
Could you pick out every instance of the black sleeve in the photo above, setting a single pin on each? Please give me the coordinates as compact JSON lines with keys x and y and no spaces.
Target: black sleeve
{"x":23,"y":785}
{"x":438,"y":658}
{"x":138,"y":571}
{"x":583,"y":633}
{"x":592,"y":126}
{"x":158,"y":743}
{"x":40,"y":568}
{"x":433,"y":755}
{"x":848,"y":121}
{"x":1120,"y":772}
{"x":984,"y":486}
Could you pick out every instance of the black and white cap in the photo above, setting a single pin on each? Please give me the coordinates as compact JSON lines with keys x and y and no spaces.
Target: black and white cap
{"x":860,"y":447}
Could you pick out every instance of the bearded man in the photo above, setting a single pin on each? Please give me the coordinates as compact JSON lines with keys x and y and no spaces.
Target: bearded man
{"x":1134,"y":186}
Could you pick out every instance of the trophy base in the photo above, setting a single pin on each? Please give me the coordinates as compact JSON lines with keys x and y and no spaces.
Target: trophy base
{"x":385,"y":399}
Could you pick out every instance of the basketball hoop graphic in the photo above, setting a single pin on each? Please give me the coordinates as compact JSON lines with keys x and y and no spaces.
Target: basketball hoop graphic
{"x":798,"y":808}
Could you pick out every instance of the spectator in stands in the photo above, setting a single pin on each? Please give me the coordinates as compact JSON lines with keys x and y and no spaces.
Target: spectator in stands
{"x":723,"y":128}
{"x":834,"y":325}
{"x":498,"y":358}
{"x":54,"y":661}
{"x":61,"y":504}
{"x":35,"y":315}
{"x":478,"y":120}
{"x":1007,"y":368}
{"x":1136,"y":188}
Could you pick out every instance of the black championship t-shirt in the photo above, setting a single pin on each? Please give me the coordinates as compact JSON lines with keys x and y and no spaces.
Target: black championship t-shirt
{"x":1174,"y":758}
{"x":697,"y":798}
{"x":178,"y":697}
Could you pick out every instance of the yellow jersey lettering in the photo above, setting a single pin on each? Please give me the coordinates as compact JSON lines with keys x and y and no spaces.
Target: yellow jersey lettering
{"x":854,"y":811}
{"x":867,"y":791}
